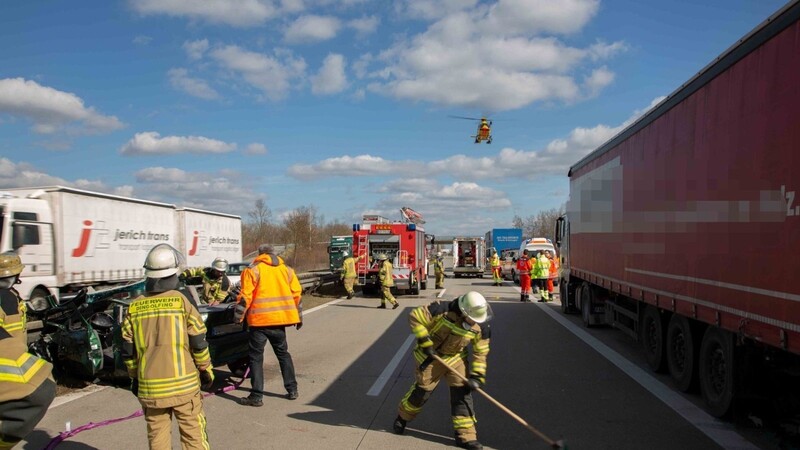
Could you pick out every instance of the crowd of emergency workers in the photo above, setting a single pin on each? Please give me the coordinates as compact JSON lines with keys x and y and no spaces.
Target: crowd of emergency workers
{"x":268,"y":300}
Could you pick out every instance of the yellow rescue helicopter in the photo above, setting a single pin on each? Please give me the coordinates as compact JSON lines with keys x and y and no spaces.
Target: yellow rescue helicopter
{"x":484,"y":132}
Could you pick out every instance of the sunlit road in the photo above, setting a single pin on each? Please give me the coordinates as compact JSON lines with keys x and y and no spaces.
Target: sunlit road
{"x":354,"y":364}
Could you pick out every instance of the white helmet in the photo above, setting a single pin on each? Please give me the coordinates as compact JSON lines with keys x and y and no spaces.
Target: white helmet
{"x":162,"y":261}
{"x":345,"y":253}
{"x":382,"y":257}
{"x":438,"y":254}
{"x":474,"y":305}
{"x":220,"y":264}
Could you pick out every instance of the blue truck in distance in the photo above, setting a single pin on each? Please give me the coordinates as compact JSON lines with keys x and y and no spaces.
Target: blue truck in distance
{"x":502,"y":239}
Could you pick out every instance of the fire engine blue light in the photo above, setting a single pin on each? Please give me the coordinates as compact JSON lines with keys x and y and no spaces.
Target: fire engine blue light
{"x":412,"y":227}
{"x":356,"y":227}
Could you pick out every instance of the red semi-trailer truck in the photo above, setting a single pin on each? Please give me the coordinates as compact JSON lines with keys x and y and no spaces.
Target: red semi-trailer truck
{"x":684,"y":229}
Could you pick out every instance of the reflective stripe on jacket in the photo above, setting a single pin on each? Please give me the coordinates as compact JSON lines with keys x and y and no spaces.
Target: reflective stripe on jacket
{"x":12,"y":315}
{"x":385,"y":274}
{"x":169,"y":345}
{"x":349,"y":266}
{"x":440,"y":323}
{"x":20,"y":372}
{"x":270,"y":293}
{"x":524,"y":267}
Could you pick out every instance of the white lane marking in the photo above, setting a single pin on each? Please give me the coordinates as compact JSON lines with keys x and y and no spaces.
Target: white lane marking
{"x":377,"y":387}
{"x":441,"y":293}
{"x":66,"y":398}
{"x":324,"y":305}
{"x":718,"y":431}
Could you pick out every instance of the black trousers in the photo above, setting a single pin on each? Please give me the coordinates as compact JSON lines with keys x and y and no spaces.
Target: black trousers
{"x":258,"y":340}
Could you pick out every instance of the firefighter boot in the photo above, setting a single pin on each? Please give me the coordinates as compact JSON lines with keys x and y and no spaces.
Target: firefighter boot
{"x":399,"y":425}
{"x":471,"y":445}
{"x":522,"y":297}
{"x":383,"y":306}
{"x":396,"y":305}
{"x":351,"y":295}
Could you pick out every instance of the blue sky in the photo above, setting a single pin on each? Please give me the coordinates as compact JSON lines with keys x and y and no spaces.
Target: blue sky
{"x":342,"y":105}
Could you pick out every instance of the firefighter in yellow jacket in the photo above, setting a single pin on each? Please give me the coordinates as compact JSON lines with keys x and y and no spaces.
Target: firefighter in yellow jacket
{"x":446,"y":330}
{"x":386,"y":280}
{"x":215,"y":283}
{"x":166,"y":353}
{"x":26,"y":384}
{"x":349,"y":273}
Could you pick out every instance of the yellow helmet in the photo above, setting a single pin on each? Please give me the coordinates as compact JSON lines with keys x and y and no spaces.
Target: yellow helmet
{"x":10,"y":264}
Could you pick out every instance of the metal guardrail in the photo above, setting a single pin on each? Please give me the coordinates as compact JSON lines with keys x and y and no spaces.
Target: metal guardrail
{"x":311,"y":281}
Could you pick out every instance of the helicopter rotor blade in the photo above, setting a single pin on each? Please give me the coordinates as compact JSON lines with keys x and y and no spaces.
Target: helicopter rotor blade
{"x":462,"y":117}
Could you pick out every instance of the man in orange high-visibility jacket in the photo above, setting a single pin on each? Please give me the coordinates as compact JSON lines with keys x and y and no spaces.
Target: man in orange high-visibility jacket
{"x":270,"y":299}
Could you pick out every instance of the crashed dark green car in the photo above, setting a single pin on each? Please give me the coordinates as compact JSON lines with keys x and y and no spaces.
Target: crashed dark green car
{"x":82,"y":336}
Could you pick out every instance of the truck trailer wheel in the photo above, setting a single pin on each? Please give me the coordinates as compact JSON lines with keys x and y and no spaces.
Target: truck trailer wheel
{"x":586,"y":305}
{"x":566,"y":297}
{"x":652,"y":336}
{"x":716,"y":371}
{"x":681,"y":353}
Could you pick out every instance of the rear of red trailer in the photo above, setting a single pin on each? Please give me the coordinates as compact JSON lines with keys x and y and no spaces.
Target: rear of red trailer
{"x":684,"y":229}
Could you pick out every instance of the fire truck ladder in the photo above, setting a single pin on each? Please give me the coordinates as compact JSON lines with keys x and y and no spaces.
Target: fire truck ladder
{"x":362,"y":248}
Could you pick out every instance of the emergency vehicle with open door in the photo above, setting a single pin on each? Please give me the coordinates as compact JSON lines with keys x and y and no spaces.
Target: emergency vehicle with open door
{"x":404,"y":244}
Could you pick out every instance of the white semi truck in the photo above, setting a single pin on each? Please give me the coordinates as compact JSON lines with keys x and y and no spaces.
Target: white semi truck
{"x":69,"y":239}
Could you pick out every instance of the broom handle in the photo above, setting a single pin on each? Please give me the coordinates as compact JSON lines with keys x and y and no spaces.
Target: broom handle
{"x":519,"y":419}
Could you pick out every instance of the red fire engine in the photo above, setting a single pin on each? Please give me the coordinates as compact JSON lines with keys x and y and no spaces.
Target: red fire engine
{"x":402,"y":242}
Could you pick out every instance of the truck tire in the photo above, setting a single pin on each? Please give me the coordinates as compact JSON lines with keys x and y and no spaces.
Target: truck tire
{"x":563,"y":292}
{"x":680,"y":346}
{"x":716,"y":371}
{"x":586,"y":305}
{"x":652,"y":337}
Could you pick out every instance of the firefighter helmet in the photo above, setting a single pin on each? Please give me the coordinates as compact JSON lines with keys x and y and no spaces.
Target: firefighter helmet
{"x":345,"y":253}
{"x":220,"y":264}
{"x":474,"y":305}
{"x":438,"y":254}
{"x":162,"y":261}
{"x":382,"y":257}
{"x":10,"y":264}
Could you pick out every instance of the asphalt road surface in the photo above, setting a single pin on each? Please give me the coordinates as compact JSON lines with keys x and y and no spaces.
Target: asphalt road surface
{"x":354,"y":363}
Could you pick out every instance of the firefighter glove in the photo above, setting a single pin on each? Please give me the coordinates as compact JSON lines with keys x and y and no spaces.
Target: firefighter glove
{"x":206,"y":378}
{"x":474,"y":383}
{"x":298,"y":325}
{"x":135,"y":387}
{"x":426,"y":344}
{"x":238,"y":312}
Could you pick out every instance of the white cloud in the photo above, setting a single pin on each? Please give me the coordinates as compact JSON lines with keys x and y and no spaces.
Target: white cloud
{"x":224,"y":191}
{"x":151,"y":143}
{"x":142,"y":40}
{"x":239,"y":13}
{"x":312,"y":28}
{"x":361,"y":165}
{"x":432,"y":9}
{"x":14,"y":175}
{"x":597,"y":80}
{"x":271,"y":75}
{"x":255,"y":149}
{"x":52,"y":110}
{"x":365,"y":25}
{"x":196,"y":49}
{"x":331,"y":78}
{"x":179,"y":79}
{"x":495,"y":57}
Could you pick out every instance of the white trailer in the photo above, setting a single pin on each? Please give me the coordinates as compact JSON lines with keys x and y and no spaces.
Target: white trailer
{"x":205,"y":235}
{"x":69,"y":238}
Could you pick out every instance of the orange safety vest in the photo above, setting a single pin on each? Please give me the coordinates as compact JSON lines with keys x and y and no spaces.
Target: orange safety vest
{"x":270,"y":293}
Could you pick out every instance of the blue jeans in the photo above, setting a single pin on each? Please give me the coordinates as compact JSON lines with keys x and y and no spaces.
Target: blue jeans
{"x":258,"y":340}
